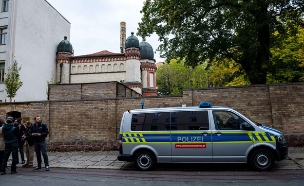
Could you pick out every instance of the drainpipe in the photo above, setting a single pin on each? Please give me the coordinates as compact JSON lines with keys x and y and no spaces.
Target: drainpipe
{"x":70,"y":70}
{"x":61,"y":65}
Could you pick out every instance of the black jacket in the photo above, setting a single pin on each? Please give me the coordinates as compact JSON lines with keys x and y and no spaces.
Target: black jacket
{"x":40,"y":128}
{"x":10,"y":134}
{"x":28,"y":138}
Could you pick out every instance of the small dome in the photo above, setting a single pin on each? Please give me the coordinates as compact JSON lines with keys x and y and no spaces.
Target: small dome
{"x":146,"y":50}
{"x":132,"y":41}
{"x":65,"y":46}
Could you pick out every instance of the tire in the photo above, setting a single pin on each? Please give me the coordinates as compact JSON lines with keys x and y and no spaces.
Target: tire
{"x":145,"y":160}
{"x":262,"y":159}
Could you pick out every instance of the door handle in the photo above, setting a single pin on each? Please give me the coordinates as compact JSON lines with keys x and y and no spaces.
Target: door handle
{"x":205,"y":133}
{"x":218,"y":133}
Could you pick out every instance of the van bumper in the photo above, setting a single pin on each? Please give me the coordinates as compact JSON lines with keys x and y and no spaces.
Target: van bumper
{"x":125,"y":157}
{"x":282,"y":151}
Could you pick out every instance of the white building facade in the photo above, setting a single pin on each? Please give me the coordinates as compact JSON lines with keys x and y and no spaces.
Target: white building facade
{"x":30,"y":32}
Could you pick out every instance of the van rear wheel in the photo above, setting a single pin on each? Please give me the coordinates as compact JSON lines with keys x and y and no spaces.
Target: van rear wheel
{"x":145,"y":160}
{"x":262,"y":159}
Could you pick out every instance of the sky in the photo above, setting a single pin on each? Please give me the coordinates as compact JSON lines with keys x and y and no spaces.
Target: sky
{"x":95,"y":24}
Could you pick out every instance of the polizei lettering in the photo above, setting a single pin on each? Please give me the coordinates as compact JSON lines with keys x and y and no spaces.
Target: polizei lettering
{"x":190,"y":139}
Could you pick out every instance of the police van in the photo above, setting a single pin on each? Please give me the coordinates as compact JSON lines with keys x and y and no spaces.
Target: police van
{"x":202,"y":134}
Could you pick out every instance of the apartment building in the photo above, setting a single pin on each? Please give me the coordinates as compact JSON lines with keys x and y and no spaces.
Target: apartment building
{"x":30,"y":31}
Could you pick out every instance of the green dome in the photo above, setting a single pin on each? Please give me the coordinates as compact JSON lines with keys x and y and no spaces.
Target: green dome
{"x":65,"y":46}
{"x":146,"y":50}
{"x":132,"y":41}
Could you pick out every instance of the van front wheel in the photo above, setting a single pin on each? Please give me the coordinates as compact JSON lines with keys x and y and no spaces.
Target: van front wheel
{"x":145,"y":160}
{"x":262,"y":159}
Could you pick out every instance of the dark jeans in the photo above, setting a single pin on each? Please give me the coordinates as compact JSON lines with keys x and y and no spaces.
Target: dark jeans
{"x":21,"y":151}
{"x":1,"y":158}
{"x":10,"y":148}
{"x":40,"y":147}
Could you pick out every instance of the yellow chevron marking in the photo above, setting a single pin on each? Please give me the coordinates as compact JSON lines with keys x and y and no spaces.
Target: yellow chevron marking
{"x":142,"y":138}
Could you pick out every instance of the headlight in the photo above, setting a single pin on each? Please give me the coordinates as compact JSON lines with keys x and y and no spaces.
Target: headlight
{"x":280,"y":139}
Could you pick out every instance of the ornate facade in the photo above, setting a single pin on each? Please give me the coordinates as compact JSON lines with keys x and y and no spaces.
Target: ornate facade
{"x":134,"y":66}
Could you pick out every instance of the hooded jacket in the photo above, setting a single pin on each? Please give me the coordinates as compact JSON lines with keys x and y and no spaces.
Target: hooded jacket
{"x":10,"y":134}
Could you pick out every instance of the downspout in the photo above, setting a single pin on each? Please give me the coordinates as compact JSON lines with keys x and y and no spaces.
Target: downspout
{"x":61,"y":65}
{"x":70,"y":70}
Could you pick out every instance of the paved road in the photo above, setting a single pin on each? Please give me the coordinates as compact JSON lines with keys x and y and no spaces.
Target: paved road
{"x":108,"y":160}
{"x":67,"y":177}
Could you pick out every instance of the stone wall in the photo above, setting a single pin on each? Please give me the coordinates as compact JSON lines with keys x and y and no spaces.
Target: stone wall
{"x":93,"y":123}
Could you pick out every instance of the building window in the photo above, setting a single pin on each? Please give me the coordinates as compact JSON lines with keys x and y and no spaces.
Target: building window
{"x":2,"y":65}
{"x":5,"y":6}
{"x":3,"y":33}
{"x":151,"y":80}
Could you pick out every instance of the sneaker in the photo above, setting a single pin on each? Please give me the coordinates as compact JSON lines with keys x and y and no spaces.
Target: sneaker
{"x":36,"y":168}
{"x":2,"y":173}
{"x":14,"y":172}
{"x":25,"y":165}
{"x":47,"y":168}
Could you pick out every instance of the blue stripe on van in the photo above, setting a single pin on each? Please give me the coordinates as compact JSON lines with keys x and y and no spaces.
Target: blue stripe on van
{"x":231,"y":137}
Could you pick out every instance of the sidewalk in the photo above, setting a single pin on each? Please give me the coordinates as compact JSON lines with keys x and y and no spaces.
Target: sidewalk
{"x":108,"y":160}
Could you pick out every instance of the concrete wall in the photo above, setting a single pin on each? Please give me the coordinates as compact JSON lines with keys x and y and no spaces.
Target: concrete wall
{"x":93,"y":123}
{"x":36,"y":31}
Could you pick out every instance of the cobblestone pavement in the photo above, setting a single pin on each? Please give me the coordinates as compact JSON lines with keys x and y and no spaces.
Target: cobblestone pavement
{"x":108,"y":160}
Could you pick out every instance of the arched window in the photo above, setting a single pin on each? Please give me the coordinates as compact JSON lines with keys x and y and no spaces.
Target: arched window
{"x":85,"y":69}
{"x":109,"y":69}
{"x":121,"y":67}
{"x":115,"y":67}
{"x":79,"y":69}
{"x":91,"y":69}
{"x":74,"y":69}
{"x":97,"y":69}
{"x":103,"y":68}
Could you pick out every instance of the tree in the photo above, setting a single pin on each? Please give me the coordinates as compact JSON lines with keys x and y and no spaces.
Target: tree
{"x":239,"y":30}
{"x":227,"y":73}
{"x":171,"y":77}
{"x":12,"y":80}
{"x":287,"y":57}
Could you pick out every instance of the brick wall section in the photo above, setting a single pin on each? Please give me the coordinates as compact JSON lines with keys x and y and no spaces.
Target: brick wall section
{"x":93,"y":124}
{"x":288,"y":111}
{"x":64,"y":92}
{"x":98,"y":90}
{"x":251,"y":101}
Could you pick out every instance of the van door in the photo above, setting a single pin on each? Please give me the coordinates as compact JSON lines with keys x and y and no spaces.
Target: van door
{"x":190,"y":136}
{"x":230,"y":141}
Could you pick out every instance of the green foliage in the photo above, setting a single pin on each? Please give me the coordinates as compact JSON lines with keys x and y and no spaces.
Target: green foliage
{"x":12,"y":80}
{"x":170,"y":77}
{"x":227,"y":73}
{"x":238,"y":30}
{"x":287,"y":58}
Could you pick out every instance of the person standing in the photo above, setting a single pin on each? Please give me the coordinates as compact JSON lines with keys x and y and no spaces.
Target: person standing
{"x":10,"y":134}
{"x":29,"y":146}
{"x":39,"y":132}
{"x":21,"y":129}
{"x":1,"y":142}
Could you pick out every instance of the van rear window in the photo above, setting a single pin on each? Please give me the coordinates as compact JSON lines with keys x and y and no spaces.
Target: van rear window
{"x":164,"y":121}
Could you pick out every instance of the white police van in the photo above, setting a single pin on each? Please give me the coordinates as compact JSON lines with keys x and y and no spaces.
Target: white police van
{"x":203,"y":134}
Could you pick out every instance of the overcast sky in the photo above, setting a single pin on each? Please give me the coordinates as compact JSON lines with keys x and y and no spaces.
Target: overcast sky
{"x":95,"y":24}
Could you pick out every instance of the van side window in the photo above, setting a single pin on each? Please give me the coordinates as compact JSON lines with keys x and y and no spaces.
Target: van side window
{"x":191,"y":120}
{"x":224,"y":120}
{"x":151,"y":122}
{"x":165,"y":121}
